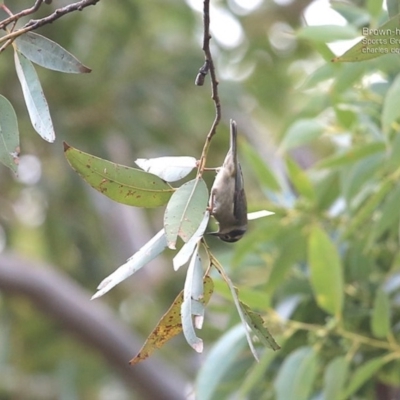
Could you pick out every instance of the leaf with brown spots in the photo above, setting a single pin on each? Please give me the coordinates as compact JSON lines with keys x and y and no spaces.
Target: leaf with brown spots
{"x":170,"y":324}
{"x":123,"y":184}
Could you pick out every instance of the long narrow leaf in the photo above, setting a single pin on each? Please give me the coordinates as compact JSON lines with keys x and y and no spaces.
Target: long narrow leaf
{"x":34,"y":98}
{"x":147,"y":253}
{"x":9,"y":135}
{"x":48,"y":54}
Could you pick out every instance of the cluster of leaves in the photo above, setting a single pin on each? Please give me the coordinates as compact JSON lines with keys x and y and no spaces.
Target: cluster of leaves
{"x":186,"y":216}
{"x":32,"y":48}
{"x":332,"y":250}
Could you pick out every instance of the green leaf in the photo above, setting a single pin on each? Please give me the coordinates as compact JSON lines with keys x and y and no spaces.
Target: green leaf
{"x":300,"y":132}
{"x":352,"y":155}
{"x":185,"y":211}
{"x":218,"y":362}
{"x":334,"y":378}
{"x":300,"y":180}
{"x":192,"y":306}
{"x":362,"y":374}
{"x":255,"y":376}
{"x":48,"y":54}
{"x":256,"y":323}
{"x":34,"y":98}
{"x":146,"y":253}
{"x":391,"y":109}
{"x":376,"y":42}
{"x":327,"y":33}
{"x":326,"y":271}
{"x":296,"y":376}
{"x":9,"y":135}
{"x":380,"y":319}
{"x":123,"y":184}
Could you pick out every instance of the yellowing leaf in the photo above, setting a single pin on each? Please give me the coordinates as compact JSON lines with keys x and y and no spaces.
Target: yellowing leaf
{"x":170,"y":324}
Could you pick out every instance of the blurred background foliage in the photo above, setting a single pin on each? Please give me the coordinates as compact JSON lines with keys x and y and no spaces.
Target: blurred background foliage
{"x":312,"y":149}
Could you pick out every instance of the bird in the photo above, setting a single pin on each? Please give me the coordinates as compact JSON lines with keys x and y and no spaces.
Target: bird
{"x":228,"y":202}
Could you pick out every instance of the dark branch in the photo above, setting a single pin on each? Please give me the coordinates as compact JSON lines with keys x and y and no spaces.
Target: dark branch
{"x":209,"y":66}
{"x":92,"y":322}
{"x":21,"y":14}
{"x":37,"y":23}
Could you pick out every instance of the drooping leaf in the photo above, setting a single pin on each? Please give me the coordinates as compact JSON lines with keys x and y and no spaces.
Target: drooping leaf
{"x":170,"y":169}
{"x":376,"y":42}
{"x":297,"y":374}
{"x":9,"y":135}
{"x":301,"y":132}
{"x":380,"y":319}
{"x":192,"y":306}
{"x":336,"y":374}
{"x":34,"y":98}
{"x":170,"y":325}
{"x":147,"y":253}
{"x":390,"y":110}
{"x":218,"y":362}
{"x":48,"y":54}
{"x":326,"y":271}
{"x":256,"y":323}
{"x":123,"y":184}
{"x":188,"y":248}
{"x":185,"y":211}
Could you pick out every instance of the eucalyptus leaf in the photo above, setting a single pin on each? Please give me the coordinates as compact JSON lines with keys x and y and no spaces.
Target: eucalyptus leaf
{"x":375,"y":43}
{"x":188,"y":248}
{"x":326,"y":272}
{"x":34,"y":98}
{"x":296,"y":376}
{"x":192,"y":296}
{"x":9,"y":135}
{"x":170,"y":169}
{"x":185,"y":211}
{"x":219,"y":361}
{"x":336,"y":374}
{"x":147,"y":253}
{"x":48,"y":54}
{"x":120,"y":183}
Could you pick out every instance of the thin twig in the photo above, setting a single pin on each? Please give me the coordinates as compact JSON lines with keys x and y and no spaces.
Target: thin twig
{"x":23,"y":13}
{"x":37,"y":23}
{"x":209,"y":63}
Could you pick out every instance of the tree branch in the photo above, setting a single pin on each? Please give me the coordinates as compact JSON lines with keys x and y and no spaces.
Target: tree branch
{"x":37,"y":23}
{"x":93,"y":322}
{"x":208,"y":66}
